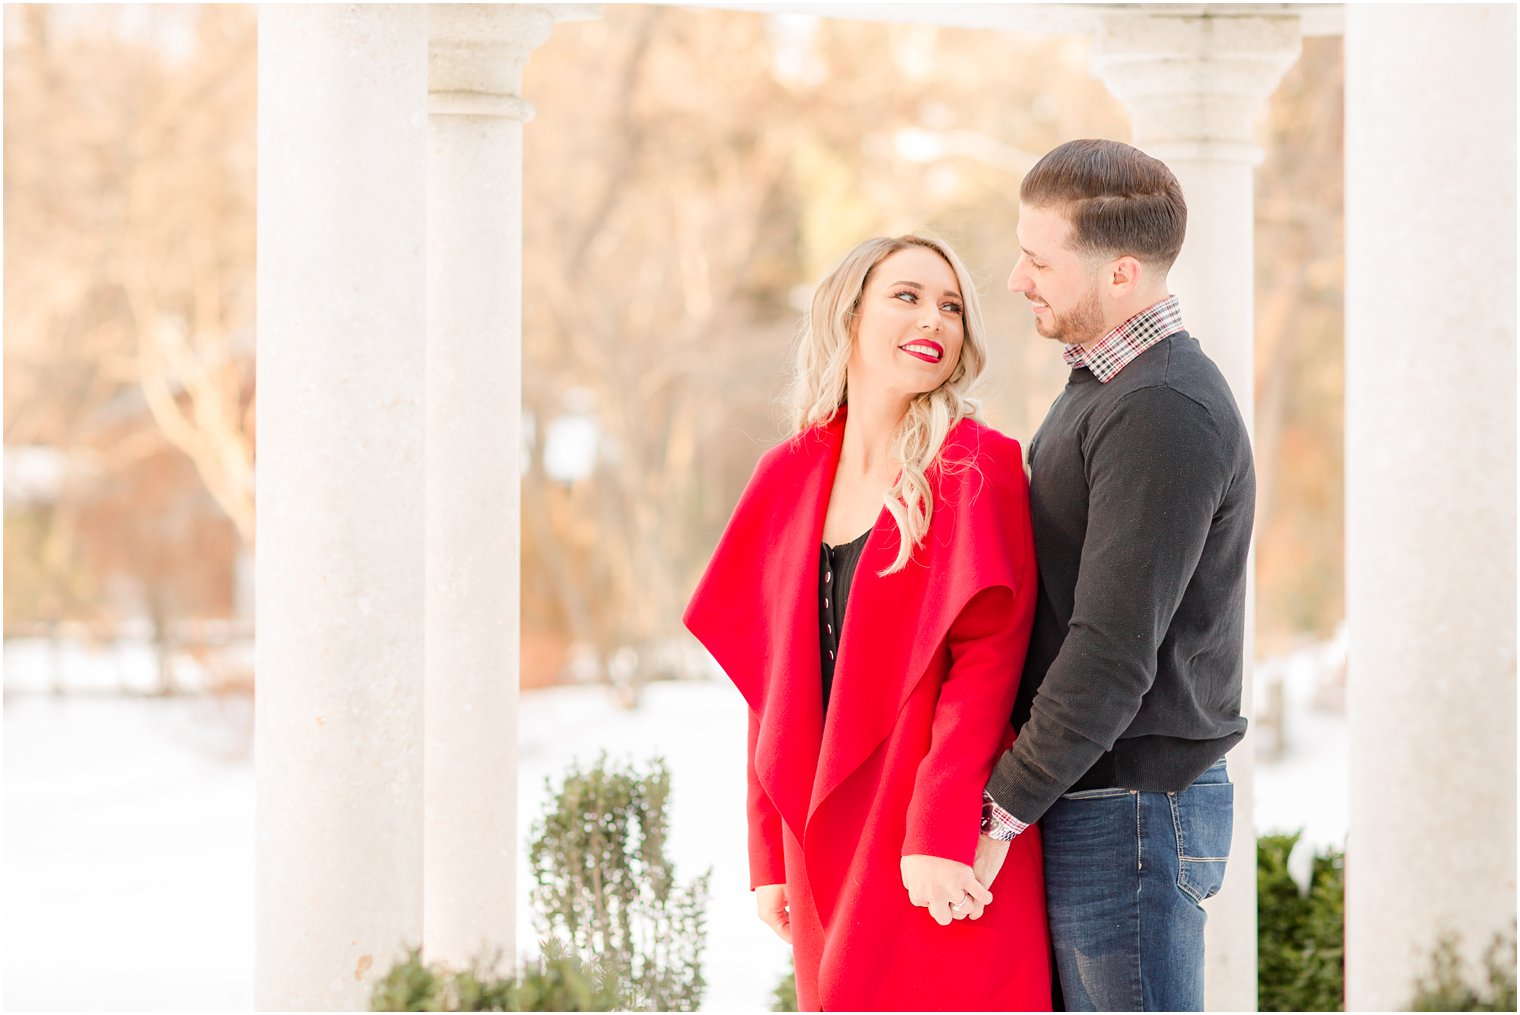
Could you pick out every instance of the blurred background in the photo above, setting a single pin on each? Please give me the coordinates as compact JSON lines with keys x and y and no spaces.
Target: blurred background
{"x":688,"y":174}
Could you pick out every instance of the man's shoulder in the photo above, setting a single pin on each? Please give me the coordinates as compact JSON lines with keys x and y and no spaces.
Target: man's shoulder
{"x":1175,"y":378}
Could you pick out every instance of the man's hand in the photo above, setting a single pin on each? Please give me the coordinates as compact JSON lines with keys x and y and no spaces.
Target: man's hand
{"x":946,"y":888}
{"x":770,"y":900}
{"x":990,"y":854}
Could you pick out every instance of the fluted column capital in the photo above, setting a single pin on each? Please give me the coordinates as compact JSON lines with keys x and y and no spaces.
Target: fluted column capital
{"x":476,"y":54}
{"x":1194,"y":82}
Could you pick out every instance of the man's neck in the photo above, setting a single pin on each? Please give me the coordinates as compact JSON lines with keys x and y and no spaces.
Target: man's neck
{"x":1120,"y":314}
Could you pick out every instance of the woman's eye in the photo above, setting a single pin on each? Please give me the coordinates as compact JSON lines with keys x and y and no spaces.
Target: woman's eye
{"x":912,"y":297}
{"x":954,"y":308}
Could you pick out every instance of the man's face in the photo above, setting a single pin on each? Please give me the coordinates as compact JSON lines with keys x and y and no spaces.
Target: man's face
{"x":1060,"y":284}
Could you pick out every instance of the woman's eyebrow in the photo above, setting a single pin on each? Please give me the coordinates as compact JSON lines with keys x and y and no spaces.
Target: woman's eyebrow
{"x":915,"y":285}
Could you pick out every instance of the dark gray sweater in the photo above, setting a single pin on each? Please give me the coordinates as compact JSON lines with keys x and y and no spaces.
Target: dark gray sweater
{"x":1142,"y":495}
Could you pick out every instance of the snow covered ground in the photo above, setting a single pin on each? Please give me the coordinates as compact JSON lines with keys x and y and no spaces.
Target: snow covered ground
{"x":129,"y":832}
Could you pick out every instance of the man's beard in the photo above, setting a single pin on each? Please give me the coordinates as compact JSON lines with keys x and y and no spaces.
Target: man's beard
{"x":1083,"y":323}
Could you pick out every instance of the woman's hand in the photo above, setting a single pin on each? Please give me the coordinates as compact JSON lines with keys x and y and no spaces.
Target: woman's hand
{"x":770,"y":900}
{"x":948,"y":889}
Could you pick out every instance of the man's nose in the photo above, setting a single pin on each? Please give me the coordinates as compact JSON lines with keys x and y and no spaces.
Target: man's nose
{"x":1019,"y":282}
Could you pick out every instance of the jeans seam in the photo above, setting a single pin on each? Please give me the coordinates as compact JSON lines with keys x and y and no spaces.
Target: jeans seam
{"x":1177,"y":830}
{"x":1182,"y":884}
{"x":1137,"y":981}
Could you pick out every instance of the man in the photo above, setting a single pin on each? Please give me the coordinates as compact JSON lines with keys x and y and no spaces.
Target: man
{"x":1142,"y":496}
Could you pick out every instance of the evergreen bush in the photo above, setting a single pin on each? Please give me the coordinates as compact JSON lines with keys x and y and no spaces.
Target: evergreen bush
{"x":1300,"y":938}
{"x":556,"y":982}
{"x":1444,"y":988}
{"x":785,"y":996}
{"x":606,"y":892}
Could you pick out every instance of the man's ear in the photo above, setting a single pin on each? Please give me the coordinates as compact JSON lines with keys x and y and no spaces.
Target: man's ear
{"x":1124,"y":275}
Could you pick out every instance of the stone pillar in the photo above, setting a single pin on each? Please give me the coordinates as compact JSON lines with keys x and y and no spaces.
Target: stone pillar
{"x":1430,"y":487}
{"x":474,"y":398}
{"x":338,"y":731}
{"x":1194,"y":84}
{"x":476,"y":113}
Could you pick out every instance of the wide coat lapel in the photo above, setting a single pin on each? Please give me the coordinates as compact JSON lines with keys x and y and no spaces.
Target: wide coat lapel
{"x":895,"y":623}
{"x":755,"y":610}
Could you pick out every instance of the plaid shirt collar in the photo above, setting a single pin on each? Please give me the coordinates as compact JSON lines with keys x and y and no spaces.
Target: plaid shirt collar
{"x":1115,"y":350}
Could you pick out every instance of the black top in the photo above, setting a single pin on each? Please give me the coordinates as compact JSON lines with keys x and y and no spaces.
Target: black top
{"x":1146,"y":485}
{"x":836,"y":571}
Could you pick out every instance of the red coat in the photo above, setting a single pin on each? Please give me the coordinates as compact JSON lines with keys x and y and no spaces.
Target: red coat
{"x":923,"y":688}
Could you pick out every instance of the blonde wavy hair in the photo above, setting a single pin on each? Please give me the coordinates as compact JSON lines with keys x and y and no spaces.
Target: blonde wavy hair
{"x":820,"y":382}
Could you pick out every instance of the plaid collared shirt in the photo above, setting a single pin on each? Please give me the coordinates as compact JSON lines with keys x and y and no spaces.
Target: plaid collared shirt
{"x":1115,"y":350}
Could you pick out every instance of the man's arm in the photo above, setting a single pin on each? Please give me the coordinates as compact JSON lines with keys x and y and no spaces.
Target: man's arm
{"x":1157,"y":470}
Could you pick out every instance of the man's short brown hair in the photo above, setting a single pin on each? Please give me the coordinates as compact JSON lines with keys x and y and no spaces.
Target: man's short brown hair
{"x":1119,"y":200}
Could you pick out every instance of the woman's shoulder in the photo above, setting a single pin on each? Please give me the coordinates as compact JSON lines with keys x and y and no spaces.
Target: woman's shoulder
{"x":981,"y":469}
{"x":781,"y":460}
{"x":793,"y":447}
{"x":974,"y":441}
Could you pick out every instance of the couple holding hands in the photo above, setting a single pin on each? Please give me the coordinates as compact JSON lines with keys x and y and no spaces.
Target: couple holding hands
{"x":988,"y":714}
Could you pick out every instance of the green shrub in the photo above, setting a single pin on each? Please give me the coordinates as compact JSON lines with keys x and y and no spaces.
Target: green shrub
{"x":556,"y":982}
{"x":606,"y":892}
{"x":1444,"y":988}
{"x":1300,"y":939}
{"x":785,"y":996}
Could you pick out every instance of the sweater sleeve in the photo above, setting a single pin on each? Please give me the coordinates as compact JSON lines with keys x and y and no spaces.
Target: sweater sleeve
{"x":767,"y":862}
{"x":1157,"y":471}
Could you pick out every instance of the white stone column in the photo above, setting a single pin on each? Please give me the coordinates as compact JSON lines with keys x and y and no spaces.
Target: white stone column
{"x":338,"y":730}
{"x":1194,"y":84}
{"x":1430,"y":487}
{"x":476,"y":113}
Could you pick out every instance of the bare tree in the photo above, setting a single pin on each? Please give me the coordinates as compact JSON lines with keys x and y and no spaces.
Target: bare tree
{"x":129,"y":295}
{"x":690,"y":191}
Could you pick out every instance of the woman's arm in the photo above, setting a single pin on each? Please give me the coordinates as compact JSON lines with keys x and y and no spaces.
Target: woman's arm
{"x":986,"y":642}
{"x":767,"y":858}
{"x":970,"y":722}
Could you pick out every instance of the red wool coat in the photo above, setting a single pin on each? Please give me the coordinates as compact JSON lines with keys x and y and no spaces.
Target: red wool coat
{"x":923,"y":687}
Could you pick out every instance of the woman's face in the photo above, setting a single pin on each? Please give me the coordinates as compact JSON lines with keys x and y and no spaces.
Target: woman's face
{"x":907,"y":334}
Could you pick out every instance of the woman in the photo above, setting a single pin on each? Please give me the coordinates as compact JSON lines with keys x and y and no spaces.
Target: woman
{"x":872,"y":732}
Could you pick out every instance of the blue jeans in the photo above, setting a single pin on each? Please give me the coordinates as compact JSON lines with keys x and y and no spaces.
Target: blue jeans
{"x":1124,"y":875}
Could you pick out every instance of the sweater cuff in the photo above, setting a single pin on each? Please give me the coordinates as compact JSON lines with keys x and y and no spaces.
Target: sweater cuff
{"x":1027,"y":788}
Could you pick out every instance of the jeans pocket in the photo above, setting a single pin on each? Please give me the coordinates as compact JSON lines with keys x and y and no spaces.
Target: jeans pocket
{"x":1203,"y":816}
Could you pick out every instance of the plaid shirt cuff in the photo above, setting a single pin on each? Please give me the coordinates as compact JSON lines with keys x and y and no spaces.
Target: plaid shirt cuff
{"x":997,"y":823}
